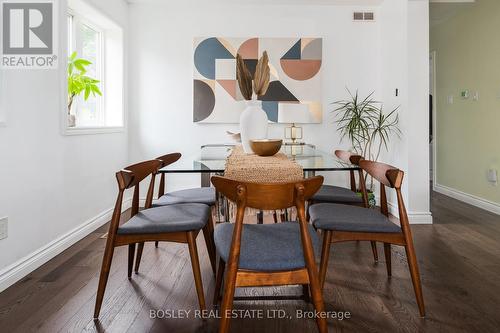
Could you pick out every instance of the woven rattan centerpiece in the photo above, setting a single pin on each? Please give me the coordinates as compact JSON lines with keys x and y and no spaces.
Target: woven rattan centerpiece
{"x":252,"y":168}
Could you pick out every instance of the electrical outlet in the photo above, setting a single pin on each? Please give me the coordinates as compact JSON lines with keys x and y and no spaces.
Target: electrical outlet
{"x":4,"y":227}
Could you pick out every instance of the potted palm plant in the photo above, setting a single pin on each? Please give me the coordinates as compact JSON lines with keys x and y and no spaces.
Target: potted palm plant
{"x":369,"y":129}
{"x":78,"y":83}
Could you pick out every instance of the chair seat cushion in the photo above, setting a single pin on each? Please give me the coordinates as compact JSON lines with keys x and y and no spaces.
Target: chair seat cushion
{"x":339,"y":217}
{"x":172,"y":218}
{"x":330,"y":193}
{"x":266,"y":247}
{"x":203,"y":195}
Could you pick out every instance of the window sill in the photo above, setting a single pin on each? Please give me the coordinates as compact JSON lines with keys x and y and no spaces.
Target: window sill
{"x":93,"y":130}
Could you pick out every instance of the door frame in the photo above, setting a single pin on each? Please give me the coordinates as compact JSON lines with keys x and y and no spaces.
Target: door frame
{"x":433,"y":69}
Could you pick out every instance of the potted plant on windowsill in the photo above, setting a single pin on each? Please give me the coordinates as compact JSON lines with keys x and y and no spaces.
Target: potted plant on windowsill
{"x":79,"y":83}
{"x":363,"y":122}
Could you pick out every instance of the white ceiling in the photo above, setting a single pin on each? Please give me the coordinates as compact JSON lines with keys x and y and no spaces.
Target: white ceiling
{"x":279,"y":2}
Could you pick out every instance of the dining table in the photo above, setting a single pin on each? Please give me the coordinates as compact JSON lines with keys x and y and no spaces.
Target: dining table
{"x":211,"y":160}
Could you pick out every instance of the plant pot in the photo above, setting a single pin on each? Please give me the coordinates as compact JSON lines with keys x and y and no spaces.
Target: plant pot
{"x":71,"y":120}
{"x":253,"y":124}
{"x":372,"y":202}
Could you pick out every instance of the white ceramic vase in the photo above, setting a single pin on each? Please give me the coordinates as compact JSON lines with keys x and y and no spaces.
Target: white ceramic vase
{"x":253,"y":124}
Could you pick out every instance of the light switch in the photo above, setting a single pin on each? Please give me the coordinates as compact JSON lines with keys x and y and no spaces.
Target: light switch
{"x":475,"y":96}
{"x":450,"y":99}
{"x":493,"y":176}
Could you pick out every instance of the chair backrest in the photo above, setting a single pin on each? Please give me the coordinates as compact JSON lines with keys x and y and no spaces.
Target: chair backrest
{"x":386,"y":174}
{"x":270,"y":196}
{"x":348,"y":156}
{"x":131,"y":177}
{"x":352,"y":158}
{"x":166,"y":160}
{"x":392,"y":177}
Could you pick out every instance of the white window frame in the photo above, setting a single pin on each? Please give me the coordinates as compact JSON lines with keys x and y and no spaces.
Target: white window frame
{"x":100,"y":129}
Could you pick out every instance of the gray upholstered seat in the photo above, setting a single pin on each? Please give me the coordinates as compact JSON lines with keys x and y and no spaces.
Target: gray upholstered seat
{"x":266,"y":247}
{"x":204,"y":195}
{"x":339,"y":217}
{"x":172,"y":218}
{"x":330,"y":193}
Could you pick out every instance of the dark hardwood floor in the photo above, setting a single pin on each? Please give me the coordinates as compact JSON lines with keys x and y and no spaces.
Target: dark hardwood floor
{"x":459,"y":258}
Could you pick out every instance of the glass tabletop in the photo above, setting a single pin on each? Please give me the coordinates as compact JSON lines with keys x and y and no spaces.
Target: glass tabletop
{"x":212,"y":159}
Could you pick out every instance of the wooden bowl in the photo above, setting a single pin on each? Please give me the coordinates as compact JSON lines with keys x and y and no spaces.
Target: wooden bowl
{"x":266,"y":147}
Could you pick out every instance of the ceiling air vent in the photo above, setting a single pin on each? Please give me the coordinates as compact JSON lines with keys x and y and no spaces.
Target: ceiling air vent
{"x":363,"y":16}
{"x":369,"y":16}
{"x":358,"y":16}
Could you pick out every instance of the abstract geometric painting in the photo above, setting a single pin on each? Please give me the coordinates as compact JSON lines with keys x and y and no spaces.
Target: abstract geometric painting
{"x":295,"y":66}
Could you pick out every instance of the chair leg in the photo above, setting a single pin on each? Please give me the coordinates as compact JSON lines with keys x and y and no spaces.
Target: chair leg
{"x":156,"y":243}
{"x":305,"y":293}
{"x":317,"y":297}
{"x":218,"y":281}
{"x":131,"y":254}
{"x":314,"y":284}
{"x":283,"y":217}
{"x":415,"y":277}
{"x":308,"y":216}
{"x":227,"y":298}
{"x":195,"y":263}
{"x":374,"y":250}
{"x":138,"y":257}
{"x":275,"y":217}
{"x":209,"y":241}
{"x":325,"y":254}
{"x":387,"y":252}
{"x":103,"y":278}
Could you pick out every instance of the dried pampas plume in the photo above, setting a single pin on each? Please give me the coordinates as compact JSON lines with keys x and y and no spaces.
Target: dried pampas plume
{"x":262,"y":76}
{"x":244,"y":78}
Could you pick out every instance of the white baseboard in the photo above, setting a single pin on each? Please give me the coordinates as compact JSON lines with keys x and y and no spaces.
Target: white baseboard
{"x":473,"y":200}
{"x":24,"y":266}
{"x":413,"y":217}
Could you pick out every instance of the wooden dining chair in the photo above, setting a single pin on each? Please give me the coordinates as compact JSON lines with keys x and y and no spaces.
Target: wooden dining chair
{"x":178,"y":223}
{"x":202,"y":195}
{"x":341,"y":223}
{"x":347,"y":196}
{"x":266,"y":254}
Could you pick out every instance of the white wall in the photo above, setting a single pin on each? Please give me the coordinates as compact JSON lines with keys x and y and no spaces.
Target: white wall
{"x":51,"y":184}
{"x":161,"y":69}
{"x":418,"y":109}
{"x":405,"y":66}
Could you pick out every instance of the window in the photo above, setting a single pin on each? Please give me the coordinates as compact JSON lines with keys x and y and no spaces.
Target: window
{"x":86,"y":41}
{"x":98,"y":40}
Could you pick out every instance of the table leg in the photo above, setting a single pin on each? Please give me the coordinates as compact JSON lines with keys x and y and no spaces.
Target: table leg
{"x":309,"y":174}
{"x":260,"y":217}
{"x":205,"y":179}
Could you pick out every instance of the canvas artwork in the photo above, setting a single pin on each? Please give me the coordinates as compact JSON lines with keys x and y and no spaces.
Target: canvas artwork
{"x":295,"y":65}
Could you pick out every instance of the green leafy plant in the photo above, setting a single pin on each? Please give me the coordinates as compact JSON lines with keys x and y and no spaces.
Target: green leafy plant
{"x":78,"y":82}
{"x":363,"y":122}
